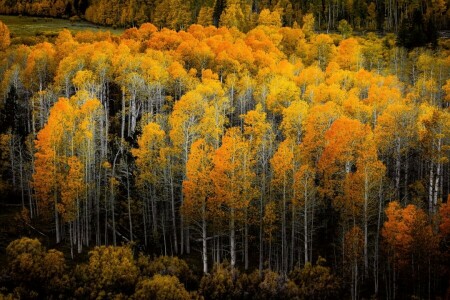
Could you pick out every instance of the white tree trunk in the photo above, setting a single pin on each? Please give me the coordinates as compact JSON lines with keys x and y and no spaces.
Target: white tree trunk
{"x":232,"y":239}
{"x":204,"y":240}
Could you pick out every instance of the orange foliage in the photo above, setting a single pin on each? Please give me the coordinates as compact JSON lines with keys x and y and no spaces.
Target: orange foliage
{"x":407,"y":233}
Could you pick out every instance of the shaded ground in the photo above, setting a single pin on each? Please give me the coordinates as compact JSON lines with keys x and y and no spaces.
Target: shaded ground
{"x":8,"y":229}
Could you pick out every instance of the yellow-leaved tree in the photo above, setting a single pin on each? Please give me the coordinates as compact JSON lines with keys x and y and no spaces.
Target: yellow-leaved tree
{"x":149,"y":162}
{"x":197,"y":190}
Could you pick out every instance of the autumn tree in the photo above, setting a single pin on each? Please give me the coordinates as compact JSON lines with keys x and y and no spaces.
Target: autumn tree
{"x":348,"y":54}
{"x":353,"y":248}
{"x":40,"y":69}
{"x":268,"y":18}
{"x":172,"y":14}
{"x":294,"y":117}
{"x":304,"y":197}
{"x":197,"y":190}
{"x":259,"y":133}
{"x":37,"y":270}
{"x":4,"y":36}
{"x":444,"y":225}
{"x":149,"y":163}
{"x":233,"y":16}
{"x":344,"y":28}
{"x":407,"y":233}
{"x":355,"y":178}
{"x":282,"y":92}
{"x":395,"y":134}
{"x":221,"y":283}
{"x":321,"y":49}
{"x":65,"y":150}
{"x":233,"y":177}
{"x":345,"y":138}
{"x":165,"y":265}
{"x":315,"y":280}
{"x":47,"y":162}
{"x":110,"y":271}
{"x":161,"y":287}
{"x":433,"y":133}
{"x":201,"y":112}
{"x":284,"y":166}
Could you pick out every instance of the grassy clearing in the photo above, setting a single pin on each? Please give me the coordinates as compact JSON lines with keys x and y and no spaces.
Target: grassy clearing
{"x":23,"y":27}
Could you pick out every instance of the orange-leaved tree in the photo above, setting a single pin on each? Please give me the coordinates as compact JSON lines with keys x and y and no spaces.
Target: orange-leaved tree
{"x":66,"y":163}
{"x":411,"y":244}
{"x":233,"y":177}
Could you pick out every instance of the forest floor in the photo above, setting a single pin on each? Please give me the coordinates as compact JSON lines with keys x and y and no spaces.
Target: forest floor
{"x":13,"y":226}
{"x":23,"y":26}
{"x":8,"y":229}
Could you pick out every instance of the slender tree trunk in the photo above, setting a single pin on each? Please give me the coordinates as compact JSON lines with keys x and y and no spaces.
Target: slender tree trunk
{"x":397,"y":169}
{"x":405,"y":189}
{"x":261,"y":228}
{"x":305,"y":223}
{"x":283,"y":228}
{"x":269,"y":257}
{"x":79,"y":248}
{"x":232,"y":239}
{"x":58,"y":236}
{"x":55,"y":199}
{"x":181,"y":233}
{"x":438,"y":176}
{"x":153,"y":208}
{"x":246,"y":242}
{"x":107,"y":204}
{"x":41,"y":106}
{"x":113,"y":215}
{"x":311,"y":228}
{"x":163,"y":226}
{"x":366,"y":200}
{"x":22,"y":192}
{"x":144,"y":219}
{"x":188,"y":240}
{"x":11,"y":158}
{"x":130,"y":222}
{"x":70,"y":238}
{"x":134,"y":115}
{"x":122,"y":127}
{"x":218,"y":250}
{"x":204,"y":240}
{"x":292,"y":238}
{"x":30,"y":200}
{"x":376,"y":260}
{"x":174,"y":221}
{"x":430,"y":191}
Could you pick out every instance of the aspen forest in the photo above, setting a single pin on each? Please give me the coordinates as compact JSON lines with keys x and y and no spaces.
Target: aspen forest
{"x":226,"y":149}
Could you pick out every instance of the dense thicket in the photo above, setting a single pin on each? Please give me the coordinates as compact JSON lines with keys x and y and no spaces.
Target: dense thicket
{"x":268,"y":149}
{"x":175,"y":14}
{"x":120,"y":273}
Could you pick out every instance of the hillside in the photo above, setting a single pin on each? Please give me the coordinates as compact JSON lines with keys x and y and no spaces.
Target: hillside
{"x":268,"y":162}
